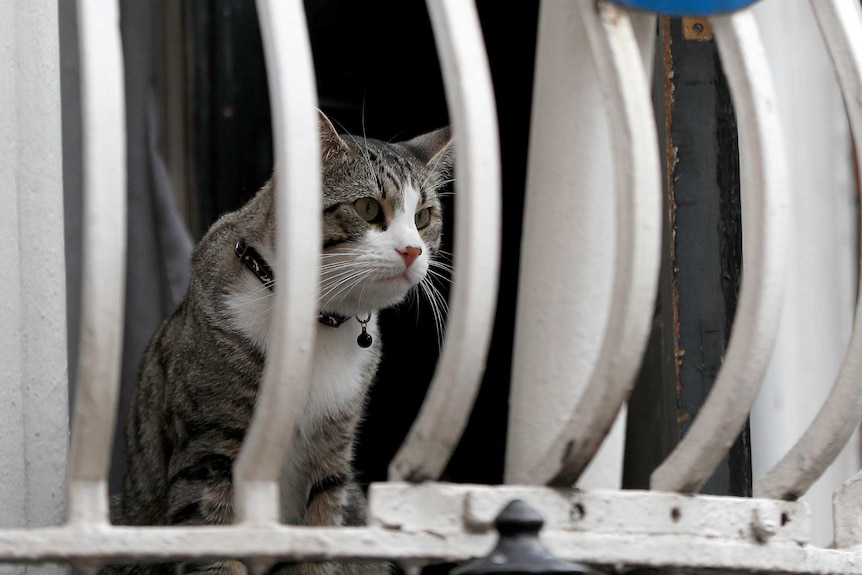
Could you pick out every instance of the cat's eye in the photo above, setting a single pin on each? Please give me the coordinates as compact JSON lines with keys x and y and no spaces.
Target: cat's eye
{"x":368,"y":209}
{"x":422,"y":218}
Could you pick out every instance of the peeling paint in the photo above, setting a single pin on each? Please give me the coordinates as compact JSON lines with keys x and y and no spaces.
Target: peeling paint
{"x":672,"y":161}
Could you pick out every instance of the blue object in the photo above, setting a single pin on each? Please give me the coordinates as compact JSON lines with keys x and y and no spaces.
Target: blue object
{"x":686,"y":7}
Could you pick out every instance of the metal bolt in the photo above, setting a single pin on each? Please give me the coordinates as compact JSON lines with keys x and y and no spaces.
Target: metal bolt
{"x":519,"y":551}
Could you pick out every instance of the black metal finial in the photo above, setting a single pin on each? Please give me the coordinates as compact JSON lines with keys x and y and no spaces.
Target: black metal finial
{"x":518,"y":551}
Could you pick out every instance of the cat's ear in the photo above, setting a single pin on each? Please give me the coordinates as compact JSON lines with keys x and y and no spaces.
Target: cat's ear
{"x":436,"y":149}
{"x":330,"y":141}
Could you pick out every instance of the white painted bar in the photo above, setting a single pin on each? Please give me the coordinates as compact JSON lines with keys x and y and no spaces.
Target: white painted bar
{"x":577,"y":434}
{"x":41,"y":261}
{"x":692,"y":554}
{"x":764,"y":221}
{"x":820,"y":294}
{"x":644,"y":26}
{"x":434,"y":522}
{"x":568,"y":242}
{"x":447,"y":507}
{"x":841,"y":26}
{"x":470,"y":96}
{"x":281,"y":400}
{"x":622,"y":80}
{"x":34,"y":416}
{"x":103,"y":290}
{"x":13,"y":489}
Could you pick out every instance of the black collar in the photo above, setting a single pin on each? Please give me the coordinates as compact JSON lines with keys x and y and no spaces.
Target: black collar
{"x":252,"y":259}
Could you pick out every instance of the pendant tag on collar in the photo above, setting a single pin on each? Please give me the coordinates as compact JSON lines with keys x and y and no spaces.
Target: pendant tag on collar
{"x":364,"y":340}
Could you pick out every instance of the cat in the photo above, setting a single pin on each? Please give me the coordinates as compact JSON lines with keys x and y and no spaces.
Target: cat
{"x":201,"y":372}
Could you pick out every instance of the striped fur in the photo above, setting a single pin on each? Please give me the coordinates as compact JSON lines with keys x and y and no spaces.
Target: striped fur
{"x":201,"y":372}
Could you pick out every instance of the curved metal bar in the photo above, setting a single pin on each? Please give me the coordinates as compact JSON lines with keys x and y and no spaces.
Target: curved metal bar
{"x":469,"y":91}
{"x":284,"y":389}
{"x":563,"y":300}
{"x":104,"y":250}
{"x":764,"y":210}
{"x":618,"y":63}
{"x":644,"y":26}
{"x":841,"y":27}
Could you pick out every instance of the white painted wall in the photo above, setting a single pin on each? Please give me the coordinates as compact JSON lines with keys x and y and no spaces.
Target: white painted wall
{"x":33,"y":382}
{"x":821,"y":285}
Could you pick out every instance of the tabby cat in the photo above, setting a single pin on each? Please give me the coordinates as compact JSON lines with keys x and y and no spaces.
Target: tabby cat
{"x":201,"y":372}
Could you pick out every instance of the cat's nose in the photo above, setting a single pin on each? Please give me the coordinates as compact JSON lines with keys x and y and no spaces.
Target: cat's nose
{"x":409,"y":254}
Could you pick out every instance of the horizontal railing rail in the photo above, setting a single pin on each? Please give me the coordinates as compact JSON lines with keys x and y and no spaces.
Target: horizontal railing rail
{"x":588,"y":60}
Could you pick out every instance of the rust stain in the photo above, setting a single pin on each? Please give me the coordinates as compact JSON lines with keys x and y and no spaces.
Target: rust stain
{"x":608,"y":12}
{"x":694,"y":28}
{"x":672,"y":160}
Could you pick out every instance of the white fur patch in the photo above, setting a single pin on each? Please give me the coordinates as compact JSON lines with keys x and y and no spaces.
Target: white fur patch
{"x":339,"y":369}
{"x":339,"y":363}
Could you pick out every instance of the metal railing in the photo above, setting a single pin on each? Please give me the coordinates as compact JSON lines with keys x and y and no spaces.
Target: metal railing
{"x":416,"y":523}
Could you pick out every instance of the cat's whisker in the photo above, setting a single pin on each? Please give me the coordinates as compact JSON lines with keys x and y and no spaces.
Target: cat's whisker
{"x":439,"y":307}
{"x":351,"y":252}
{"x":258,"y":294}
{"x":432,"y":171}
{"x":438,"y":316}
{"x":362,"y":291}
{"x":343,"y":285}
{"x":348,"y":246}
{"x":340,"y":265}
{"x":329,"y":268}
{"x":442,"y":265}
{"x":444,"y":305}
{"x":347,"y":287}
{"x":339,"y":277}
{"x":440,"y":276}
{"x":445,"y":255}
{"x":331,"y":285}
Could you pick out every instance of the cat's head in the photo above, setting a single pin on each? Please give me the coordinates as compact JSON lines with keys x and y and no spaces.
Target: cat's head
{"x":382,"y":224}
{"x":382,"y":217}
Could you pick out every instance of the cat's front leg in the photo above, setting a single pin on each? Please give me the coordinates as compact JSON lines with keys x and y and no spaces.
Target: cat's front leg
{"x":201,"y":493}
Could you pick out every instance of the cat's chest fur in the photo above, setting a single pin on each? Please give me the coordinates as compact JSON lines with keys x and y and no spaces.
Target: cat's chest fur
{"x":341,"y":370}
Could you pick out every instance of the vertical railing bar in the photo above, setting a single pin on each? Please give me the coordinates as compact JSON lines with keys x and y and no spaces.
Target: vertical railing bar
{"x":469,"y":93}
{"x":562,"y":306}
{"x":297,"y":182}
{"x":644,"y":26}
{"x":619,"y":65}
{"x":104,"y":224}
{"x":841,"y":27}
{"x":764,"y":210}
